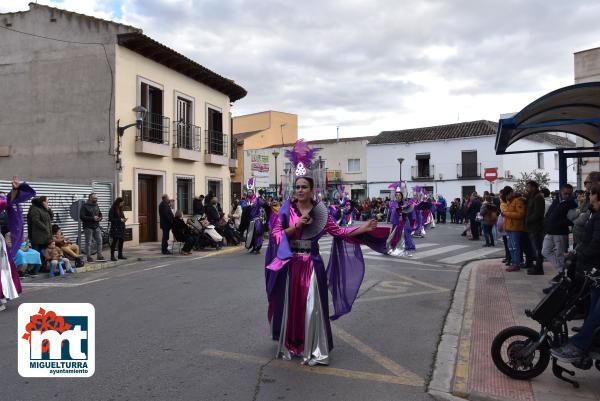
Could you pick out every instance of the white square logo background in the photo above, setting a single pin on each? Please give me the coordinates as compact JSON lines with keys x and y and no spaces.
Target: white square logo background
{"x":27,"y":310}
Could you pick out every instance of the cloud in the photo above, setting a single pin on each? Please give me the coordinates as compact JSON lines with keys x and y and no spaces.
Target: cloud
{"x":370,"y":66}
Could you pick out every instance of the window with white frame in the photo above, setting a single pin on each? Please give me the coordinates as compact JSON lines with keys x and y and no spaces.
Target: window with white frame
{"x":185,"y":194}
{"x":354,"y":165}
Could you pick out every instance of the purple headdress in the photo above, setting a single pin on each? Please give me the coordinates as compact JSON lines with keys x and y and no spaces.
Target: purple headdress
{"x":302,"y":158}
{"x":15,"y":214}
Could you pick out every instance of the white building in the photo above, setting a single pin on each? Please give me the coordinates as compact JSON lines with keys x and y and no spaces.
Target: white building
{"x":345,"y":161}
{"x":450,"y":159}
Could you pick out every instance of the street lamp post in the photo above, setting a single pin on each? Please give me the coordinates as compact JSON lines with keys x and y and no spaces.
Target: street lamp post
{"x":140,"y":113}
{"x":400,"y":160}
{"x":275,"y":154}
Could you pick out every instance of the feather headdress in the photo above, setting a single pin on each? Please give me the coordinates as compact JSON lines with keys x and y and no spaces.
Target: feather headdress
{"x":302,"y":157}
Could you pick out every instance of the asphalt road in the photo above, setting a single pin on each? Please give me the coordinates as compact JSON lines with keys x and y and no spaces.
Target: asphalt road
{"x":196,"y":329}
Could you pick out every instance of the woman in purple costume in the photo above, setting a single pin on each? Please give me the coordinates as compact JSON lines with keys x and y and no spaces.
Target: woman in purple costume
{"x":10,"y":285}
{"x":254,"y":238}
{"x":400,"y":209}
{"x":297,"y":281}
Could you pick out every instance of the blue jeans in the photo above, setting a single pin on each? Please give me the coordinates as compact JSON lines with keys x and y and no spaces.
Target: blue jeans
{"x":582,"y":339}
{"x":514,"y":246}
{"x":488,"y":234}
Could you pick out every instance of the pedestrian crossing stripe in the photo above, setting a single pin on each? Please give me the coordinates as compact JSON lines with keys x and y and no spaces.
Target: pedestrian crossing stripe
{"x":463,"y":257}
{"x":438,"y":251}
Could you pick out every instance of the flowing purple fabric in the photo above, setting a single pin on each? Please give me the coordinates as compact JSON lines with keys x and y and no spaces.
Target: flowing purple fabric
{"x":15,"y":216}
{"x":345,"y":272}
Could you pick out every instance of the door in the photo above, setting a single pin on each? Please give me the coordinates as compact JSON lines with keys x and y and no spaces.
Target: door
{"x":467,"y":190}
{"x":215,"y":187}
{"x":184,"y":137}
{"x":469,"y":164}
{"x":147,"y":207}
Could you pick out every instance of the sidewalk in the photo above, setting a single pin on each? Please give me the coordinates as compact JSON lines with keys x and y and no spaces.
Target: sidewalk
{"x":487,"y":300}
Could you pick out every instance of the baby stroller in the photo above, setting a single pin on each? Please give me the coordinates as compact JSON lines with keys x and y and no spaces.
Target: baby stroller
{"x":208,"y":236}
{"x":230,"y":233}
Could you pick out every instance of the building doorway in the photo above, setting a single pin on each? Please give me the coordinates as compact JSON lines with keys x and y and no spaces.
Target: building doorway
{"x":467,"y":190}
{"x":147,"y":207}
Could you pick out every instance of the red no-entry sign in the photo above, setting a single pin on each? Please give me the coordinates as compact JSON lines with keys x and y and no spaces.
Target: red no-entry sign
{"x":490,"y":174}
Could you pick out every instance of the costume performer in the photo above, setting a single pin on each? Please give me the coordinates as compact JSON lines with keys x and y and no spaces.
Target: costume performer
{"x":254,"y":236}
{"x":10,"y":285}
{"x":397,"y":243}
{"x":345,"y":206}
{"x":296,"y":278}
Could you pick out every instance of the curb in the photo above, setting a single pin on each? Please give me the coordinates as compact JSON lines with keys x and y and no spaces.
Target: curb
{"x":440,"y":386}
{"x":110,"y":264}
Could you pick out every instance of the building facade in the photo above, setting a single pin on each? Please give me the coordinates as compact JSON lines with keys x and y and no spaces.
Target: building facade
{"x":587,"y":69}
{"x":66,"y":90}
{"x":345,"y":161}
{"x":451,"y":159}
{"x":259,"y":131}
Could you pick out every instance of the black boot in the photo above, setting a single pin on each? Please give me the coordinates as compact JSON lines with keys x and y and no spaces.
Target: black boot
{"x":121,"y":250}
{"x":112,"y":256}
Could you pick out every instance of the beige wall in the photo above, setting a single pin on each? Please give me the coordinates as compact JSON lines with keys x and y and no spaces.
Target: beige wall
{"x":267,"y":127}
{"x":130,"y":67}
{"x":587,"y":69}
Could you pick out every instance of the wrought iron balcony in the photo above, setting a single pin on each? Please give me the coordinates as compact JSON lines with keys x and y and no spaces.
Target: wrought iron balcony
{"x":468,"y":170}
{"x":155,"y":129}
{"x":234,"y":145}
{"x":215,"y":148}
{"x":422,"y":173}
{"x":186,"y":136}
{"x":153,"y":136}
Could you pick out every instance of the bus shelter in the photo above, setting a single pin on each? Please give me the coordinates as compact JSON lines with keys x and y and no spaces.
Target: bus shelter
{"x":574,"y":109}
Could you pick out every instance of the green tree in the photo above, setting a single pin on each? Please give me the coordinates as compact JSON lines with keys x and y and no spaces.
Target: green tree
{"x":539,"y":176}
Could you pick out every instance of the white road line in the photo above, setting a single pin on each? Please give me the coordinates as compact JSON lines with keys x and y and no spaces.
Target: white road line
{"x":402,"y":260}
{"x":462,"y":257}
{"x":156,"y":267}
{"x":51,"y":284}
{"x":437,"y":251}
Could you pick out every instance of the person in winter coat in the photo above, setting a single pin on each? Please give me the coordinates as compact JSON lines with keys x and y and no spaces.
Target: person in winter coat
{"x":514,"y":217}
{"x":534,"y":225}
{"x":583,"y":212}
{"x":474,"y":208}
{"x":39,"y":223}
{"x":165,"y":214}
{"x":489,"y":212}
{"x":556,"y":225}
{"x":117,"y":220}
{"x":91,"y":216}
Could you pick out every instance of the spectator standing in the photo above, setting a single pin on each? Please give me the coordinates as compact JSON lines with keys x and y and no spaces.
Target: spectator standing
{"x":489,"y":212}
{"x":556,"y":225}
{"x":91,"y":216}
{"x":441,"y":209}
{"x":39,"y":223}
{"x":502,"y":228}
{"x":166,"y":223}
{"x":237,"y":214}
{"x":117,"y":220}
{"x":534,"y":225}
{"x":514,"y":216}
{"x":583,"y":211}
{"x":198,"y":205}
{"x":472,"y":212}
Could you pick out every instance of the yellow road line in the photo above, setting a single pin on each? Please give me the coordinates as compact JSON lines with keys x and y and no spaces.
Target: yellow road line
{"x":410,"y":294}
{"x":461,"y":370}
{"x":322,"y":370}
{"x":378,"y":357}
{"x":434,"y":287}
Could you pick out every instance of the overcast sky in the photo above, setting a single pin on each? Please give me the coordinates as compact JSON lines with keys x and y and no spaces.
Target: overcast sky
{"x":369,"y":66}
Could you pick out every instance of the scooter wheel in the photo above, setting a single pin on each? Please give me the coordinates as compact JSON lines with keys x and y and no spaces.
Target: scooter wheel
{"x":508,"y":356}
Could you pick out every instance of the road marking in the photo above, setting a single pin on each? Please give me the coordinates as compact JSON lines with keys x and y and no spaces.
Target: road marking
{"x":424,"y":284}
{"x":51,"y":284}
{"x":378,"y":357}
{"x":388,"y":297}
{"x":156,"y":267}
{"x":421,"y":246}
{"x":437,"y":251}
{"x":322,"y":370}
{"x":463,"y":257}
{"x":403,"y":260}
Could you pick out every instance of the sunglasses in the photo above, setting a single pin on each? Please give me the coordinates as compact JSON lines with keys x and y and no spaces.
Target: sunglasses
{"x":302,"y":186}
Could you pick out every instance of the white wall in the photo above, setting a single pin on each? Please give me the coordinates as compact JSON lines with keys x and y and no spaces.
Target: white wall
{"x":383,"y":166}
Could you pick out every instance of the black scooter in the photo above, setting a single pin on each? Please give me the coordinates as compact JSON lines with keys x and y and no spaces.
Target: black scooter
{"x":523,"y":353}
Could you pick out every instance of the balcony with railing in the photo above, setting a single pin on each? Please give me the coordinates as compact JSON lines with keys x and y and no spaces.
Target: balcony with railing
{"x":153,"y":136}
{"x":422,"y":172}
{"x":186,"y":141}
{"x":233,"y":159}
{"x":215,"y":148}
{"x":468,"y":171}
